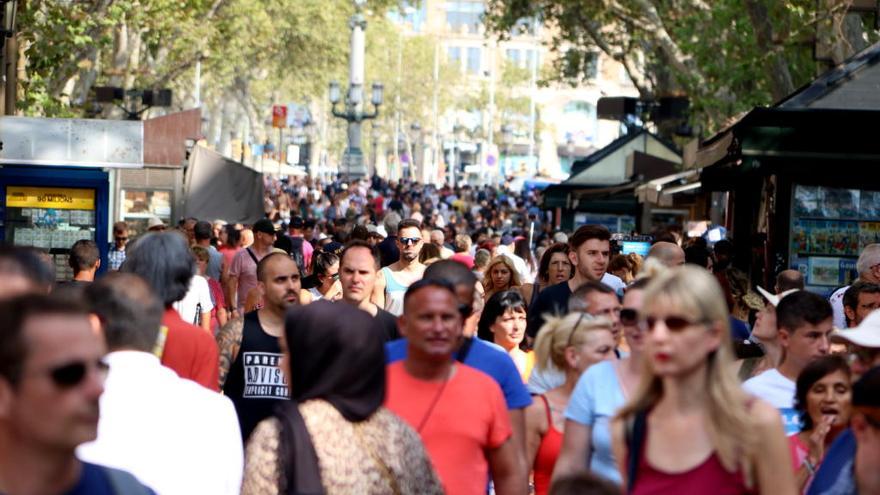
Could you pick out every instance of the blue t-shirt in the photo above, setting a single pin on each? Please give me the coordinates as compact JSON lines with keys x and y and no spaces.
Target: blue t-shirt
{"x":594,"y":401}
{"x":486,"y":357}
{"x":838,"y":458}
{"x":94,"y":480}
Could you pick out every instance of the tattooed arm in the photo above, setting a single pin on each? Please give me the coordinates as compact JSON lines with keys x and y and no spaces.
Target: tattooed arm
{"x":229,"y":341}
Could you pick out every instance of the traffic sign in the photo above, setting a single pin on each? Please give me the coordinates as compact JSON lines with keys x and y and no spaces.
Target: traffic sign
{"x":279,"y":116}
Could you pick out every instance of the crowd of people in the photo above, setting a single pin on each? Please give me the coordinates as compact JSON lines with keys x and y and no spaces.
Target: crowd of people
{"x":368,"y":337}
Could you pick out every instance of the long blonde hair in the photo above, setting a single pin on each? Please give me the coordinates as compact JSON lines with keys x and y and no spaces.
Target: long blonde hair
{"x":559,"y":332}
{"x":694,"y":291}
{"x":488,"y":285}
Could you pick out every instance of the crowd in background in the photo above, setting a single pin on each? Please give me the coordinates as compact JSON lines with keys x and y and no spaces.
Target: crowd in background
{"x":338,"y":345}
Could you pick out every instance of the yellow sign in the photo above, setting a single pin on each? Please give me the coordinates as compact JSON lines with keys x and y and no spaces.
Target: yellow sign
{"x":50,"y":197}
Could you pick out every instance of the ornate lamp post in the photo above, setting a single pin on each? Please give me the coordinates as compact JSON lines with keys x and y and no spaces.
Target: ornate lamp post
{"x":353,"y":159}
{"x":506,"y":141}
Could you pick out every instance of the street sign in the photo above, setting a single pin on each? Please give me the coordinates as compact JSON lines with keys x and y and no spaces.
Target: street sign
{"x":279,"y":116}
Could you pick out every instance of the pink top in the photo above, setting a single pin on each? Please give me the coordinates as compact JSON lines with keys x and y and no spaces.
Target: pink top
{"x":799,"y":451}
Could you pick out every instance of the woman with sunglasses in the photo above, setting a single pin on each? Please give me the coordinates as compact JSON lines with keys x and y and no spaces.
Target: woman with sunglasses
{"x":325,"y":271}
{"x":573,"y":344}
{"x":554,"y":268}
{"x":503,"y":321}
{"x":823,"y":398}
{"x":501,"y":275}
{"x":689,"y":427}
{"x":600,"y":392}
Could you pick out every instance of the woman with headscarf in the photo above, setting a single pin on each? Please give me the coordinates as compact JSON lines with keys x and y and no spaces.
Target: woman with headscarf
{"x":334,"y":436}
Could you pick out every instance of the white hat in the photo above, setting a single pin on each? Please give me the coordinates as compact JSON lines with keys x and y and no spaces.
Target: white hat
{"x":866,"y":334}
{"x":774,"y":298}
{"x":154,"y":222}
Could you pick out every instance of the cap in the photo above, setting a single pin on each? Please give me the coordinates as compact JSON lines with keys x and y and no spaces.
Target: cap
{"x":866,"y":334}
{"x":774,"y":298}
{"x":264,"y":225}
{"x":507,"y":239}
{"x":154,"y":222}
{"x":333,"y":247}
{"x":297,"y":222}
{"x":374,"y":230}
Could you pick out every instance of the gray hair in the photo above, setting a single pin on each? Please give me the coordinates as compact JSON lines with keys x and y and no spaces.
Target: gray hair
{"x":130,"y":313}
{"x":390,"y":222}
{"x":165,"y":261}
{"x":870,"y":257}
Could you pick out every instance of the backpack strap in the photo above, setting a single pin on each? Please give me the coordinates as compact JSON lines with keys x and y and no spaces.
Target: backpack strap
{"x":253,"y":257}
{"x":123,"y":483}
{"x":636,"y":429}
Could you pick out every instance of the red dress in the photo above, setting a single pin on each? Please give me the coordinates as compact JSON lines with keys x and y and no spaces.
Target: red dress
{"x":548,"y":452}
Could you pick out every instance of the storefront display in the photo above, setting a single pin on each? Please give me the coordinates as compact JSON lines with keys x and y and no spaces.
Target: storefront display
{"x":138,"y":206}
{"x":829,"y":228}
{"x":50,"y":218}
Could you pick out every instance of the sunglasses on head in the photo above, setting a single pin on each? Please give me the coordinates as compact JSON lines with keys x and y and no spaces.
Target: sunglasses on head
{"x":406,"y":241}
{"x":673,"y":323}
{"x":72,"y":374}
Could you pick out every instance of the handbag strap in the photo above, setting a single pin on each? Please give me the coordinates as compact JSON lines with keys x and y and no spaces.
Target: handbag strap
{"x":636,"y":430}
{"x":384,"y":470}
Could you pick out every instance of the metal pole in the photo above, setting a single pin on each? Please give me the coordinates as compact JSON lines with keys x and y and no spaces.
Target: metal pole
{"x":491,"y":57}
{"x":198,"y":83}
{"x":397,"y":126}
{"x":355,"y":109}
{"x":438,"y":147}
{"x":534,"y":68}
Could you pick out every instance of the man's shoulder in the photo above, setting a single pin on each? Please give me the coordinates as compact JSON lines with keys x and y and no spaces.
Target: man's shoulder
{"x":477,"y":378}
{"x":96,"y":479}
{"x":555,"y":292}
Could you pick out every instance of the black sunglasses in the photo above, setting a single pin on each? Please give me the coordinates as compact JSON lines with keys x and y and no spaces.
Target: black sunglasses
{"x":629,"y":316}
{"x":406,"y":241}
{"x":72,"y":374}
{"x":673,"y":323}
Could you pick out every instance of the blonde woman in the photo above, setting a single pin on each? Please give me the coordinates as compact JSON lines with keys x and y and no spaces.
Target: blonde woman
{"x":689,"y":428}
{"x":500,"y":275}
{"x":572,"y":343}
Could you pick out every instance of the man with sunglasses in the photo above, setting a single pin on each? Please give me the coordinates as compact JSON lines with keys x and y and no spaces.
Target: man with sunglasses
{"x":395,"y":279}
{"x":116,"y":254}
{"x":249,"y":347}
{"x":51,"y":378}
{"x":805,"y":323}
{"x":171,"y":433}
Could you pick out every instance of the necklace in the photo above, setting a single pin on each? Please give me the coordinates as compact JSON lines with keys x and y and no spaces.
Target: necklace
{"x":435,"y":400}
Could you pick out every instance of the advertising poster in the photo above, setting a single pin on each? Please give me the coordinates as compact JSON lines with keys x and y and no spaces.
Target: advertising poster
{"x":824,"y":271}
{"x":806,"y":201}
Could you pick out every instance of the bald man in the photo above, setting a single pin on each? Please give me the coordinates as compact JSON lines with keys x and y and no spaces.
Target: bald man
{"x":670,"y":254}
{"x":788,"y":280}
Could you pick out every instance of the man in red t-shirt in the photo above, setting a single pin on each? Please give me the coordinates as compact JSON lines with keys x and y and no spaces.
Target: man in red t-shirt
{"x":459,"y":412}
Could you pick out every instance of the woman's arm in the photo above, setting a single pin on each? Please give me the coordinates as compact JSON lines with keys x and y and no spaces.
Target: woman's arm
{"x":536,"y":427}
{"x":574,"y":456}
{"x":771,"y":452}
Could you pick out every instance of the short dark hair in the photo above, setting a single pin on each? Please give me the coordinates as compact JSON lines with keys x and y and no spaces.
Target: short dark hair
{"x":578,"y":299}
{"x":261,"y":266}
{"x":129,"y":311}
{"x":203,"y":230}
{"x":409,"y":223}
{"x":800,"y":307}
{"x":697,"y":255}
{"x":788,"y":280}
{"x":14,"y":313}
{"x":544,"y":265}
{"x":26,"y":262}
{"x":812,"y":373}
{"x":586,"y":232}
{"x":851,"y":296}
{"x":496,"y":306}
{"x":164,"y":260}
{"x":119,"y":227}
{"x":322,"y":261}
{"x":452,"y":272}
{"x":583,"y":483}
{"x":233,"y":235}
{"x":84,"y":255}
{"x":359,"y":243}
{"x":425,"y":283}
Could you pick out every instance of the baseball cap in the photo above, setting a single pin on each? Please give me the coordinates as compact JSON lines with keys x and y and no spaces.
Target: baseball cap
{"x":264,"y":225}
{"x":866,"y":334}
{"x":774,"y":298}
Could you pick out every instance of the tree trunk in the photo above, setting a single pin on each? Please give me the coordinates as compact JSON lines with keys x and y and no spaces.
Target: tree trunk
{"x":776,"y":68}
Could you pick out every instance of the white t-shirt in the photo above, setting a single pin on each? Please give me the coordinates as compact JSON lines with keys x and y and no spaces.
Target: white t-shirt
{"x":836,"y":301}
{"x":198,"y":293}
{"x":770,"y":386}
{"x":614,"y":282}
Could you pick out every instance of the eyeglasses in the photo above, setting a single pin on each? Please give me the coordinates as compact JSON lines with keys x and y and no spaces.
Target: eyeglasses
{"x":121,"y":238}
{"x":406,"y":241}
{"x":673,"y":323}
{"x":629,"y":317}
{"x":574,"y":329}
{"x":72,"y":374}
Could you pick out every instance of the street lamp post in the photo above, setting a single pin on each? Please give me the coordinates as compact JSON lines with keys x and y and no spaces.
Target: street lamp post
{"x":506,"y":140}
{"x":375,"y":134}
{"x":457,"y":131}
{"x":415,"y":133}
{"x":353,"y":159}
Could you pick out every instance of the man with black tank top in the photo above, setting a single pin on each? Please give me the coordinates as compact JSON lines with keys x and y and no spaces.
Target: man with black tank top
{"x":249,"y":348}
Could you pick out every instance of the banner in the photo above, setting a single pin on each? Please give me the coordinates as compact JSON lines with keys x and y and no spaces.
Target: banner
{"x":50,"y":197}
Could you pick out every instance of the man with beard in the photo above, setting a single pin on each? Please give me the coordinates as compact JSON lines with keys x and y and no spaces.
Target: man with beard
{"x":394,"y":279}
{"x":249,"y":348}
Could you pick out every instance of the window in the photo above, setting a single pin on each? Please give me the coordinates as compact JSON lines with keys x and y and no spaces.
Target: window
{"x":591,"y":66}
{"x":473,"y":60}
{"x":512,"y":55}
{"x":453,"y":53}
{"x":464,"y":16}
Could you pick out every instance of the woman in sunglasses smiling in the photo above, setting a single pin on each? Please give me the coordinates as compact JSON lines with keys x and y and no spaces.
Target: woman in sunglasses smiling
{"x":689,"y":427}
